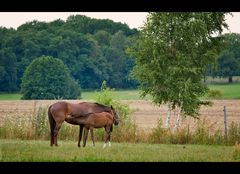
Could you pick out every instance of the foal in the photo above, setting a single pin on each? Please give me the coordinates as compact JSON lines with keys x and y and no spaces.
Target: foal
{"x":96,"y":120}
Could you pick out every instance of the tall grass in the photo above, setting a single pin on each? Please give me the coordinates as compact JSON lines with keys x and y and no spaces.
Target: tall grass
{"x":201,"y":135}
{"x":36,"y":126}
{"x":236,"y":151}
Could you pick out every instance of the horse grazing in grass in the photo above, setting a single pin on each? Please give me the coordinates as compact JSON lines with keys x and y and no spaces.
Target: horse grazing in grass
{"x":58,"y":112}
{"x":96,"y":120}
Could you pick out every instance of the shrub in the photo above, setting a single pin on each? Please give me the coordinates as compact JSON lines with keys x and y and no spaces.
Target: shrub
{"x":48,"y":78}
{"x":214,"y":94}
{"x":126,"y":130}
{"x":158,"y":134}
{"x":106,"y":97}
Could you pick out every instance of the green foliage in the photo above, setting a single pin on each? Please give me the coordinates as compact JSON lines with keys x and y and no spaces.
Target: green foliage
{"x":172,"y":54}
{"x":82,"y":43}
{"x":8,"y":70}
{"x":106,"y":97}
{"x":228,"y":61}
{"x":214,"y":94}
{"x":158,"y":133}
{"x":48,"y":78}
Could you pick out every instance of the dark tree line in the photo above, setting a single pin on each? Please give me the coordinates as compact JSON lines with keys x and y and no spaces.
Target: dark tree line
{"x":227,"y":64}
{"x":93,"y":50}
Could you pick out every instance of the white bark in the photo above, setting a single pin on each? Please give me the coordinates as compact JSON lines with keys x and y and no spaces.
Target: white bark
{"x":177,"y":123}
{"x":168,"y":117}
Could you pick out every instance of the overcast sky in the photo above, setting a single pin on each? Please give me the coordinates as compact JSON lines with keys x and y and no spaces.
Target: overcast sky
{"x":133,"y":19}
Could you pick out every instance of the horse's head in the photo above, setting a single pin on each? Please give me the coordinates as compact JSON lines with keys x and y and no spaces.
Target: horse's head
{"x":116,"y":118}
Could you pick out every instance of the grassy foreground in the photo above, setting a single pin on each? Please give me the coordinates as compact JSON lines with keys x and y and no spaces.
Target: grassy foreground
{"x":30,"y":150}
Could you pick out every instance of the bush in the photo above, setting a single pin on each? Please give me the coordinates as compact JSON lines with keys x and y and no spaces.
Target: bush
{"x":126,"y":130}
{"x":48,"y":78}
{"x":106,"y":97}
{"x":158,"y":134}
{"x":214,"y":94}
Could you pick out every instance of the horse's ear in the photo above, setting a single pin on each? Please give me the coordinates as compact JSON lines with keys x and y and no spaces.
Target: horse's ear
{"x":111,"y":107}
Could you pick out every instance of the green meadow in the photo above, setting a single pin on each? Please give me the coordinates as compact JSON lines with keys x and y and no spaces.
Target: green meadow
{"x":67,"y":151}
{"x":229,"y":91}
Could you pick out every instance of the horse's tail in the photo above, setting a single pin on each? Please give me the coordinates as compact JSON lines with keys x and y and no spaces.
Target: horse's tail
{"x":52,"y":123}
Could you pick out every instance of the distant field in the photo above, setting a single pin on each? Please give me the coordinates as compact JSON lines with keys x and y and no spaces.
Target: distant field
{"x":40,"y":151}
{"x":10,"y":96}
{"x":88,"y":95}
{"x":230,"y":91}
{"x":118,"y":94}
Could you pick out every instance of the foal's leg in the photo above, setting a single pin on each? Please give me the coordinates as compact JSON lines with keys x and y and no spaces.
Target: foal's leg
{"x":91,"y":130}
{"x":108,"y":131}
{"x":109,"y":136}
{"x":85,"y":136}
{"x":80,"y":135}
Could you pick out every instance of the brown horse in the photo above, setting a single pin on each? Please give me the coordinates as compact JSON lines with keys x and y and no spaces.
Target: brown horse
{"x":96,"y":120}
{"x":58,"y":112}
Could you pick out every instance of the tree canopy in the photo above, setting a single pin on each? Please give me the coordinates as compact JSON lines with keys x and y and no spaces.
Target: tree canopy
{"x":172,"y":55}
{"x":228,"y":62}
{"x":48,"y":78}
{"x":88,"y":47}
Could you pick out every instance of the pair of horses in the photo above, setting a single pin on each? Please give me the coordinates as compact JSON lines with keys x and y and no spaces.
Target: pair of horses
{"x":86,"y":114}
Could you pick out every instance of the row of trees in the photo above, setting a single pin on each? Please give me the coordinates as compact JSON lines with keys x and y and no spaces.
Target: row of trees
{"x":227,"y":64}
{"x":92,"y":49}
{"x":173,"y":53}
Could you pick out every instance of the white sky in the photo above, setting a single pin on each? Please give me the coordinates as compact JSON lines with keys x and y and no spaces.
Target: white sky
{"x":133,"y":19}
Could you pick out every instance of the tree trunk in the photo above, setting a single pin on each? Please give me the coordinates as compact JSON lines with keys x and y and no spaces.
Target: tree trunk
{"x":230,"y":79}
{"x":177,"y":123}
{"x":168,"y":117}
{"x":204,"y":79}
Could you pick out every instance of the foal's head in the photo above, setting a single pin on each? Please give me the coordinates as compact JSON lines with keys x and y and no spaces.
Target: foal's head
{"x":115,"y":116}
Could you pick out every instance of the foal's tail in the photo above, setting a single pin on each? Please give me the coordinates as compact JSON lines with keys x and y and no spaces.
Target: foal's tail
{"x":52,"y":123}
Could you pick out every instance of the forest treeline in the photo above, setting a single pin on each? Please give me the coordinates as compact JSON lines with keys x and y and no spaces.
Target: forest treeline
{"x":94,"y":50}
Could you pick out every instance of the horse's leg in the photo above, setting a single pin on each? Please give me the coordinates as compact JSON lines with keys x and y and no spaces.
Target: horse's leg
{"x":80,"y":135}
{"x":107,"y":130}
{"x":52,"y":138}
{"x":91,"y":130}
{"x":85,"y":136}
{"x":56,"y":130}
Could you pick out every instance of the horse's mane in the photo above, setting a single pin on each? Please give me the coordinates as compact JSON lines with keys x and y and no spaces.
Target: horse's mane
{"x":101,"y":105}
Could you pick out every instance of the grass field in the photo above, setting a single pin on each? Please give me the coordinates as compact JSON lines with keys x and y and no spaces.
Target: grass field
{"x":10,"y":96}
{"x":230,"y":91}
{"x":118,"y":94}
{"x":30,"y":150}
